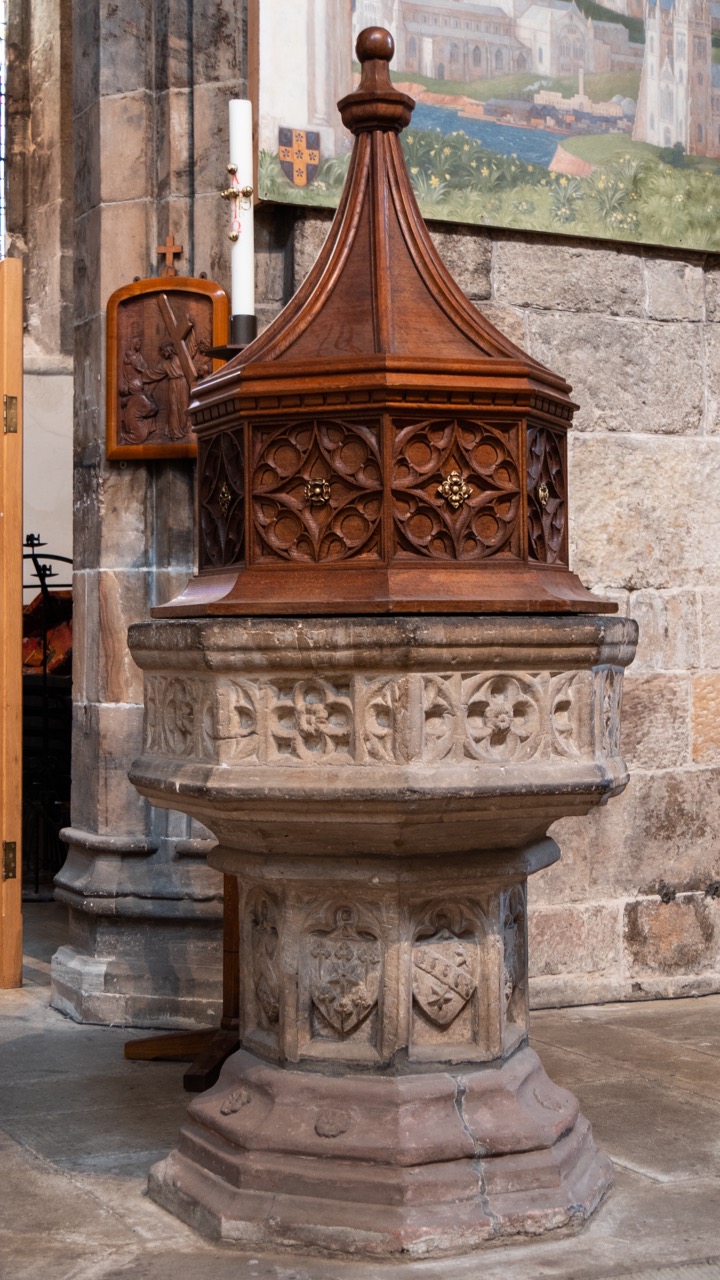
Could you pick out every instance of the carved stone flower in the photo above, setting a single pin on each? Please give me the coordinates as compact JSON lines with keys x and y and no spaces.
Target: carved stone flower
{"x":503,"y":719}
{"x":313,"y":720}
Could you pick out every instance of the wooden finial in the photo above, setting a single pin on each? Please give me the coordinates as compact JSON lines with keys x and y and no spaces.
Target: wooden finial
{"x":375,"y":42}
{"x":171,"y":250}
{"x":375,"y":103}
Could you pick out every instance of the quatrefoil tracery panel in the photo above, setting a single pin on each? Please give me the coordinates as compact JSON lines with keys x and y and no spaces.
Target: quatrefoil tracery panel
{"x":487,"y":521}
{"x":347,"y":523}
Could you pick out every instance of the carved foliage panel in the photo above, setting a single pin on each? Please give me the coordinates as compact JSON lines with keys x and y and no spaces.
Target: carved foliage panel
{"x":173,"y":711}
{"x":505,"y":717}
{"x":456,"y":489}
{"x":489,"y":718}
{"x":547,"y":495}
{"x":221,"y":499}
{"x":608,"y":704}
{"x":317,"y":490}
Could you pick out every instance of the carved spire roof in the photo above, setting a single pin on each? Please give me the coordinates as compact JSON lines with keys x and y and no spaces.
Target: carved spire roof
{"x":379,"y":290}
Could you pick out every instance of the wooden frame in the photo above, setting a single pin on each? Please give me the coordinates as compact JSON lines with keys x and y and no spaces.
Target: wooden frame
{"x":11,"y":443}
{"x":548,"y":120}
{"x":158,"y":335}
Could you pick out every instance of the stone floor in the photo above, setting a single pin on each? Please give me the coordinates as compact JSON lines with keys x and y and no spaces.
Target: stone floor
{"x":79,"y":1127}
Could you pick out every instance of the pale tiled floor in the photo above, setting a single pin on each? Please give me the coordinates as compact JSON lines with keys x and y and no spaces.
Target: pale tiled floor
{"x":79,"y":1127}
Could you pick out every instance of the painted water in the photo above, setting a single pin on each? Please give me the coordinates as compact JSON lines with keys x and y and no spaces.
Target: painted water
{"x":534,"y":146}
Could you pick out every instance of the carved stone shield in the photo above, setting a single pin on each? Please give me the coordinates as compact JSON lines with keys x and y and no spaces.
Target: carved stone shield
{"x":443,"y":977}
{"x":345,"y":977}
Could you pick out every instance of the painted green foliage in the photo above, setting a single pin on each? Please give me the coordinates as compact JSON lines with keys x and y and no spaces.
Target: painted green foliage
{"x":634,"y":192}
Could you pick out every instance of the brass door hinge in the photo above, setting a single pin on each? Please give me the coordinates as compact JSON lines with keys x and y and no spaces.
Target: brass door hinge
{"x":9,"y":860}
{"x":10,"y":415}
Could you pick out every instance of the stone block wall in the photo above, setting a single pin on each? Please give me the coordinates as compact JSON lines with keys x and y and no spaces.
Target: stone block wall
{"x":630,"y":912}
{"x":150,"y":89}
{"x":633,"y":909}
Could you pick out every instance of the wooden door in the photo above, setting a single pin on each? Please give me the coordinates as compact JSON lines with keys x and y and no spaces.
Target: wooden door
{"x":10,"y":622}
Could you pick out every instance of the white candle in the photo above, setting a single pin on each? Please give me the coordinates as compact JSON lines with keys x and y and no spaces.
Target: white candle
{"x":242,"y":291}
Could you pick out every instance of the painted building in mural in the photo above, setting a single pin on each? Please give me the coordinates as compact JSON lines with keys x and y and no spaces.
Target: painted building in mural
{"x":680,"y":87}
{"x":463,"y":40}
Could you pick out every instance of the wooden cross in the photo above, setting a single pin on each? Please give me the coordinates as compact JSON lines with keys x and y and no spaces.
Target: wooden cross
{"x":171,"y":250}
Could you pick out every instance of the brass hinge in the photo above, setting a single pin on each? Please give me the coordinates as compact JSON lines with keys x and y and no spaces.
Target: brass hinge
{"x":9,"y":860}
{"x":10,"y":415}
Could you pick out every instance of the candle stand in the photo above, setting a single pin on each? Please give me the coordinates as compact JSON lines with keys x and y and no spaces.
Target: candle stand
{"x":379,"y":691}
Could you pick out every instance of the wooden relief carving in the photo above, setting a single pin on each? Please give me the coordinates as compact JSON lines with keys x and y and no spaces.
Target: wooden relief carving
{"x":546,"y":490}
{"x":221,"y":499}
{"x":456,"y":490}
{"x":159,"y":333}
{"x":317,"y":491}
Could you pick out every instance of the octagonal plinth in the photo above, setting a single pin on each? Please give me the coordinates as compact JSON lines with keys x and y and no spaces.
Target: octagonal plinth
{"x":382,"y":789}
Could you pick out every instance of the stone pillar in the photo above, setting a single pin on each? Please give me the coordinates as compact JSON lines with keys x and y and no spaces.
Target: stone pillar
{"x":150,"y":134}
{"x":382,"y":789}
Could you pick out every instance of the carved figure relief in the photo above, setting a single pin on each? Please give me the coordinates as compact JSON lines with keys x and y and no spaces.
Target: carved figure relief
{"x":312,"y":719}
{"x":547,"y":492}
{"x":160,"y":333}
{"x":221,"y":499}
{"x":265,"y":966}
{"x":345,"y":971}
{"x":456,"y":490}
{"x":317,"y":491}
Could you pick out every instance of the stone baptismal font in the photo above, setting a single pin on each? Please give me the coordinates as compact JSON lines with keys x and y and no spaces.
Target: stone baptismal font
{"x":379,"y":691}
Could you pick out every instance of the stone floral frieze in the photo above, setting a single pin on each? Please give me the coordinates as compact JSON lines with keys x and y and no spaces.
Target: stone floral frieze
{"x":487,"y":717}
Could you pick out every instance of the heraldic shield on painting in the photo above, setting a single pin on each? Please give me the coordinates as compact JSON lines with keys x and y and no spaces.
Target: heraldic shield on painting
{"x":299,"y":155}
{"x":159,"y":336}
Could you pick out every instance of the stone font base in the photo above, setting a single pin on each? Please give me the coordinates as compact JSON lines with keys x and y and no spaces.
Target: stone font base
{"x":423,"y":1164}
{"x":381,"y":790}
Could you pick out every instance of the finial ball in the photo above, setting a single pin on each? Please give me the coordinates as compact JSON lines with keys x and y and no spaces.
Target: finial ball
{"x":375,"y":42}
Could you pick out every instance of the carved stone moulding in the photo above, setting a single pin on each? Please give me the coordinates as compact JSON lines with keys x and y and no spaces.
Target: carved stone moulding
{"x":382,"y":788}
